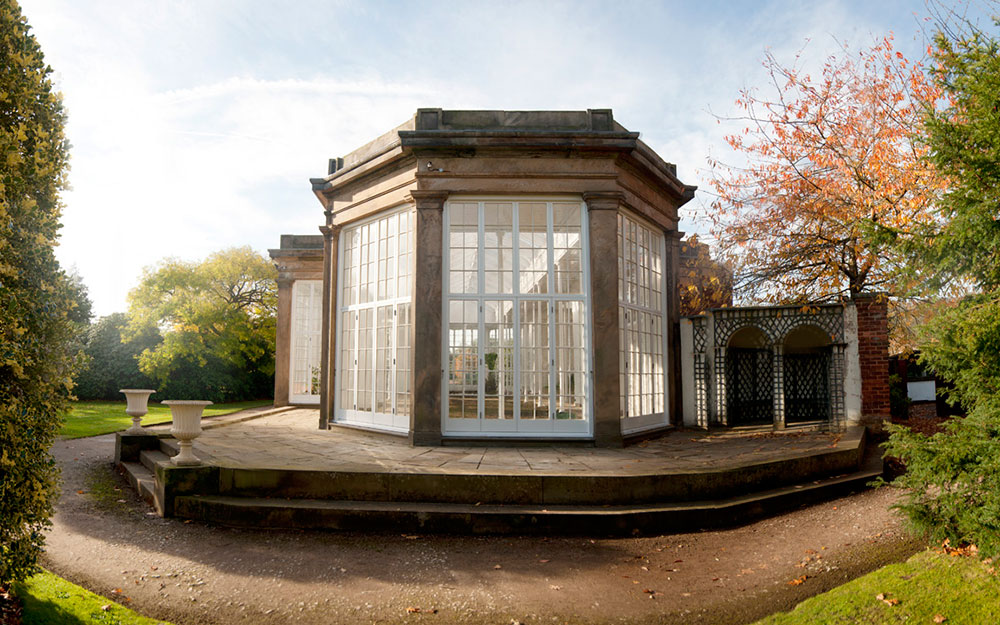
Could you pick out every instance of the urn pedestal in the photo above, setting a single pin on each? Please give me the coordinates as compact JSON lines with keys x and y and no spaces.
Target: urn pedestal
{"x":186,"y":427}
{"x":137,"y":399}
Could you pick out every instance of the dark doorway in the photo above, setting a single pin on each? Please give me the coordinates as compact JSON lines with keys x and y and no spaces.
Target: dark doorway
{"x":807,"y":387}
{"x":749,"y":379}
{"x":807,"y":375}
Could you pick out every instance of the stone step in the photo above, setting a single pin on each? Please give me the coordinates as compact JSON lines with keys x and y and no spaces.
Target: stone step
{"x":151,"y":457}
{"x":566,"y":488}
{"x":430,"y":517}
{"x":142,"y":480}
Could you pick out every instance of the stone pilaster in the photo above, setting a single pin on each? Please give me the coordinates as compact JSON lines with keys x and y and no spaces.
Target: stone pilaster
{"x":602,"y":211}
{"x":283,"y":340}
{"x":425,"y":419}
{"x":327,"y":353}
{"x":675,"y":399}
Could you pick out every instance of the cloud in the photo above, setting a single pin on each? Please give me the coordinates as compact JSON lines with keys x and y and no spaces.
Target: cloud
{"x":185,"y":172}
{"x":197,"y":125}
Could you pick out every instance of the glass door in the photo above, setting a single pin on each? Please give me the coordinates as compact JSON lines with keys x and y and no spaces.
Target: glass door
{"x":516,"y":346}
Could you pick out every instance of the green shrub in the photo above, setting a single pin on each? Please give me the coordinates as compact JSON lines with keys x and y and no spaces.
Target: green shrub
{"x":953,"y":478}
{"x":36,"y":328}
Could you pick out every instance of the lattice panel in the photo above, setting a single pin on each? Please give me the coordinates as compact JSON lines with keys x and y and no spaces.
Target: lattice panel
{"x":807,"y":387}
{"x":714,"y":402}
{"x":698,"y":326}
{"x":776,"y":323}
{"x":837,"y":416}
{"x":700,"y":371}
{"x":749,"y":376}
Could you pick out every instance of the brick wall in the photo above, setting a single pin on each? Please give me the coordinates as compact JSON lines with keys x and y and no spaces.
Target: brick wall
{"x":923,"y":410}
{"x":873,"y":354}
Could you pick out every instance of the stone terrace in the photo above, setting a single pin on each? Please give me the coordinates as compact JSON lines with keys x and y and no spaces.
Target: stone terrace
{"x":290,"y":441}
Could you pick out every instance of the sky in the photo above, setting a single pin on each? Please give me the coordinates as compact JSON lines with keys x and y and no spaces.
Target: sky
{"x":196,"y":125}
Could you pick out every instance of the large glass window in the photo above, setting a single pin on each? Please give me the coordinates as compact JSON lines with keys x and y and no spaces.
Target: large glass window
{"x":641,"y":310}
{"x":376,"y":358}
{"x":307,"y":319}
{"x":517,"y":355}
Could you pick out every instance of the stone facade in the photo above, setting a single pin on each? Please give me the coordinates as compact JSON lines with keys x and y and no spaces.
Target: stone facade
{"x":387,"y":353}
{"x":582,"y":156}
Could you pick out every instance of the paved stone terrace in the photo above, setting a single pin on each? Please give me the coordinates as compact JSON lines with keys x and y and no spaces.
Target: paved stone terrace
{"x":291,"y":440}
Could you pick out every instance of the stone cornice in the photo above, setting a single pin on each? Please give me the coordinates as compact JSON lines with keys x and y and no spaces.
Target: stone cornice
{"x":330,"y":231}
{"x":424,"y":200}
{"x":604,"y":200}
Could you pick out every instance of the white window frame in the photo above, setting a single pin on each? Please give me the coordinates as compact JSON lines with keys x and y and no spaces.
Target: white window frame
{"x":632,"y":424}
{"x":391,"y":421}
{"x":293,"y":397}
{"x":516,"y":427}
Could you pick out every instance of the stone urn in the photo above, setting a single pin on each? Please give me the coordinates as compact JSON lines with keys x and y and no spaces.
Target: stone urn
{"x":186,"y":414}
{"x":137,"y":399}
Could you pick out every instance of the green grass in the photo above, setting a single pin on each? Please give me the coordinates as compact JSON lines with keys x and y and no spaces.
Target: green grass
{"x":960,"y":589}
{"x":90,"y":418}
{"x":50,"y":600}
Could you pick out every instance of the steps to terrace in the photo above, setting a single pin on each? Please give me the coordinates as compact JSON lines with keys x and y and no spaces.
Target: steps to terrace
{"x":401,"y":497}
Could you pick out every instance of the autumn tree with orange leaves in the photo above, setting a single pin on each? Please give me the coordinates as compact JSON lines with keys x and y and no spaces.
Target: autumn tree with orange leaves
{"x":830,"y":161}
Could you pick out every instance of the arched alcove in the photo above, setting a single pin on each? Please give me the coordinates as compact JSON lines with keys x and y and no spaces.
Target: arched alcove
{"x":806,"y":372}
{"x":749,"y":378}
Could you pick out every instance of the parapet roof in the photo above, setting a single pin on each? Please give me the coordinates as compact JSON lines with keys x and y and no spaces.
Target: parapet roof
{"x":465,"y":132}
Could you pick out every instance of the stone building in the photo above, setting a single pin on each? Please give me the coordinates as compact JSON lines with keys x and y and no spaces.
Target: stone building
{"x":500,"y":275}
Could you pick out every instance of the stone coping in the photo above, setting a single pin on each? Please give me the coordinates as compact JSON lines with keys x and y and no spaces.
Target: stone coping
{"x":288,"y":439}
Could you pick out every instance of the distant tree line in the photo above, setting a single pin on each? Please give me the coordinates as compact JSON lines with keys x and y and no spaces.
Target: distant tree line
{"x":193,"y":331}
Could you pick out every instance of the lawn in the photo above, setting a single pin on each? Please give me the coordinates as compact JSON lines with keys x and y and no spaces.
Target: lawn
{"x":90,"y":418}
{"x":931,"y":587}
{"x":49,"y":599}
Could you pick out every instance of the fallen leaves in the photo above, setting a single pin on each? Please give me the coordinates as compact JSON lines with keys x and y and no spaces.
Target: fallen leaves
{"x":798,"y":581}
{"x":884,"y":598}
{"x":940,"y":618}
{"x":418,"y":610}
{"x":960,"y":551}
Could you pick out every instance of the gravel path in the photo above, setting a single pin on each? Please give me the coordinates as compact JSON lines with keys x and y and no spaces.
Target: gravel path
{"x":105,"y":538}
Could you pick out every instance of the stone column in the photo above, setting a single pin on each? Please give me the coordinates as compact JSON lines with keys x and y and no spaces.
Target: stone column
{"x":602,"y":211}
{"x":425,"y":419}
{"x":283,"y":340}
{"x":675,"y":400}
{"x":327,"y":354}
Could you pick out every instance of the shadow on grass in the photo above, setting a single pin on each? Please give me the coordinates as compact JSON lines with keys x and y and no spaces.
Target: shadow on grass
{"x":48,"y":599}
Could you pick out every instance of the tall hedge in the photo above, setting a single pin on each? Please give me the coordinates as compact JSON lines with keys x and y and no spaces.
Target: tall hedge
{"x":36,"y":300}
